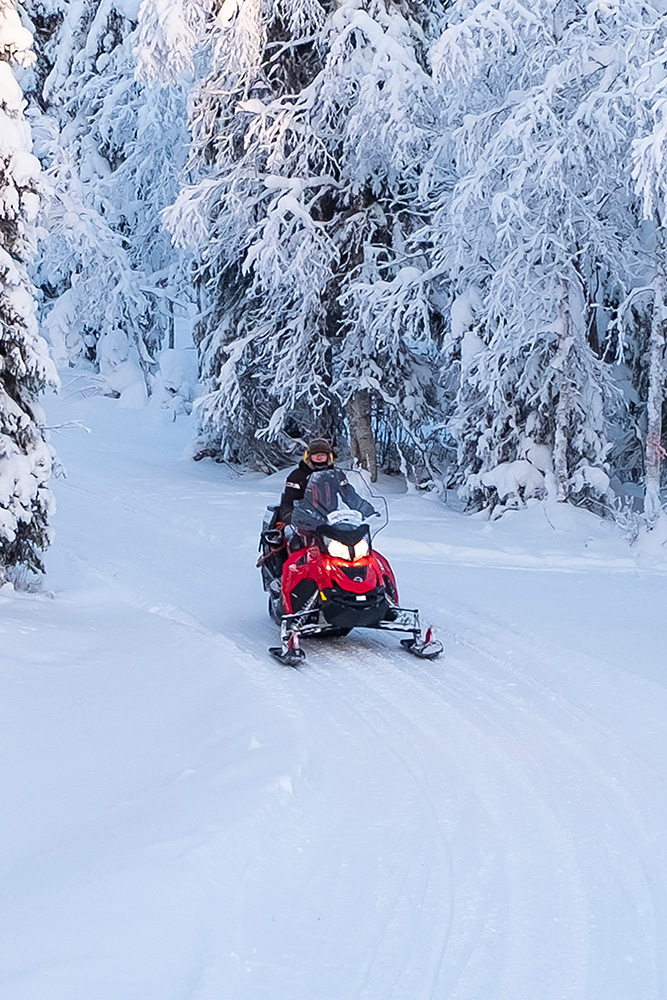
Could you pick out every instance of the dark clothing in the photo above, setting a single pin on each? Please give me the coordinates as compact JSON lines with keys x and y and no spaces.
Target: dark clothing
{"x":295,"y":487}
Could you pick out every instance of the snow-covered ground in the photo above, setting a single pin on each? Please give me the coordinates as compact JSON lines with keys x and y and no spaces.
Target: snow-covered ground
{"x":184,"y":819}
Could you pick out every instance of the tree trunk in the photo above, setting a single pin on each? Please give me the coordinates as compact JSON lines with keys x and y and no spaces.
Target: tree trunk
{"x":564,"y":405}
{"x":656,"y":380}
{"x":171,"y":341}
{"x":362,"y":442}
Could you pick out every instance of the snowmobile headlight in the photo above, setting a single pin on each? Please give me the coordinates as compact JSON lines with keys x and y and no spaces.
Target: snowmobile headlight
{"x":361,"y":549}
{"x":337,"y":549}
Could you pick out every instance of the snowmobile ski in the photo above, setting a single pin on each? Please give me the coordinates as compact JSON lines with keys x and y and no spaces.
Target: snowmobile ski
{"x":290,"y":653}
{"x":427,"y":648}
{"x":289,"y":659}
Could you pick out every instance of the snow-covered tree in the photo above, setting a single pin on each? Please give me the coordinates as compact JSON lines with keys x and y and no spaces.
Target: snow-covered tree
{"x":25,"y":369}
{"x":650,"y":171}
{"x":112,"y":149}
{"x":308,"y":135}
{"x":538,"y":120}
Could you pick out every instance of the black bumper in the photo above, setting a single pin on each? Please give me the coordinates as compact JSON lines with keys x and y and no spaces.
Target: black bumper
{"x":345,"y":610}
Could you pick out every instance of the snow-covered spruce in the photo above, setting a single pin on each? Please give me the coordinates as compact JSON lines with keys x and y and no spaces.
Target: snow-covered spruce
{"x":308,"y":135}
{"x":649,"y":157}
{"x":538,"y":227}
{"x":112,"y":149}
{"x":25,"y":368}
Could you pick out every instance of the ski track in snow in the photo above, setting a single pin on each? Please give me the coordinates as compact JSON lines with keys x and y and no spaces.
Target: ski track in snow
{"x":485,"y":827}
{"x":536,"y":912}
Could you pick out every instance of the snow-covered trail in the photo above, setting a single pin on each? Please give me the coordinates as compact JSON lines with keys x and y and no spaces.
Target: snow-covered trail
{"x":186,"y":820}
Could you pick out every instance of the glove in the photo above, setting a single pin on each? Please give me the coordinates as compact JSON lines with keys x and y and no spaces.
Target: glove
{"x":375,"y":513}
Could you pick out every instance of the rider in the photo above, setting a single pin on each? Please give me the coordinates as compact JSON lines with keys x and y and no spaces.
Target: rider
{"x":317,"y":457}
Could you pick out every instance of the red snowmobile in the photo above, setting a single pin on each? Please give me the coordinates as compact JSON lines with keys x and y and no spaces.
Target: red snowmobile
{"x":327,"y":579}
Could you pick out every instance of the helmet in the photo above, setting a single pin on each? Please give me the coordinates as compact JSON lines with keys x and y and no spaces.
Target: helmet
{"x":320,"y":446}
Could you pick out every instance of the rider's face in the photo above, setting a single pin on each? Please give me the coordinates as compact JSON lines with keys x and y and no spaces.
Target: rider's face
{"x":319,"y":458}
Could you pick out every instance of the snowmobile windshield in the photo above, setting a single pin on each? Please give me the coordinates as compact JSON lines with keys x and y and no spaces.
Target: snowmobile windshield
{"x":330,"y":499}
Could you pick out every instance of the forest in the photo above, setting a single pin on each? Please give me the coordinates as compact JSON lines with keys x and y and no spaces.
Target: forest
{"x":431,"y":231}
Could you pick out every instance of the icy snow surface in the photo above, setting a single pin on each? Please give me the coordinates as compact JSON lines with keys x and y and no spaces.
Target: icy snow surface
{"x":184,"y":819}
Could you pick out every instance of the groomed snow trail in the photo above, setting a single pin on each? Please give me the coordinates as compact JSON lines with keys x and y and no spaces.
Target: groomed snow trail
{"x":190,"y":821}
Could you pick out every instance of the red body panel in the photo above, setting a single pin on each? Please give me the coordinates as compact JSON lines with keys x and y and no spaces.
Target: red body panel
{"x":323,"y":570}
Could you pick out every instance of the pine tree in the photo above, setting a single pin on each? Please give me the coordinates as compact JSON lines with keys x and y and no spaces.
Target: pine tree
{"x":650,"y":149}
{"x":26,"y":459}
{"x":112,"y":150}
{"x":540,"y":136}
{"x":307,"y":137}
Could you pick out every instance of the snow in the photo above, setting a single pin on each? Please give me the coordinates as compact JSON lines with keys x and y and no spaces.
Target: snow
{"x":11,"y":96}
{"x":15,"y":40}
{"x":513,"y":480}
{"x":183,"y":819}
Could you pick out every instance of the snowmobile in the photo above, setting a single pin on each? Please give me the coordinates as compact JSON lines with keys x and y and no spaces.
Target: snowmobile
{"x":325,"y":578}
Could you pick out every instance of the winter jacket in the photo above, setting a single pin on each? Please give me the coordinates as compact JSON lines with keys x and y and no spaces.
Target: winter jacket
{"x":295,"y":488}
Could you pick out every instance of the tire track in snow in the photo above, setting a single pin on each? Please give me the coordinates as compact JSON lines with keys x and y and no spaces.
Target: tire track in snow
{"x":407,"y":711}
{"x":585,"y":745}
{"x":381,"y":722}
{"x":415,"y":888}
{"x":602,"y":755}
{"x":588,"y":723}
{"x":506,"y":724}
